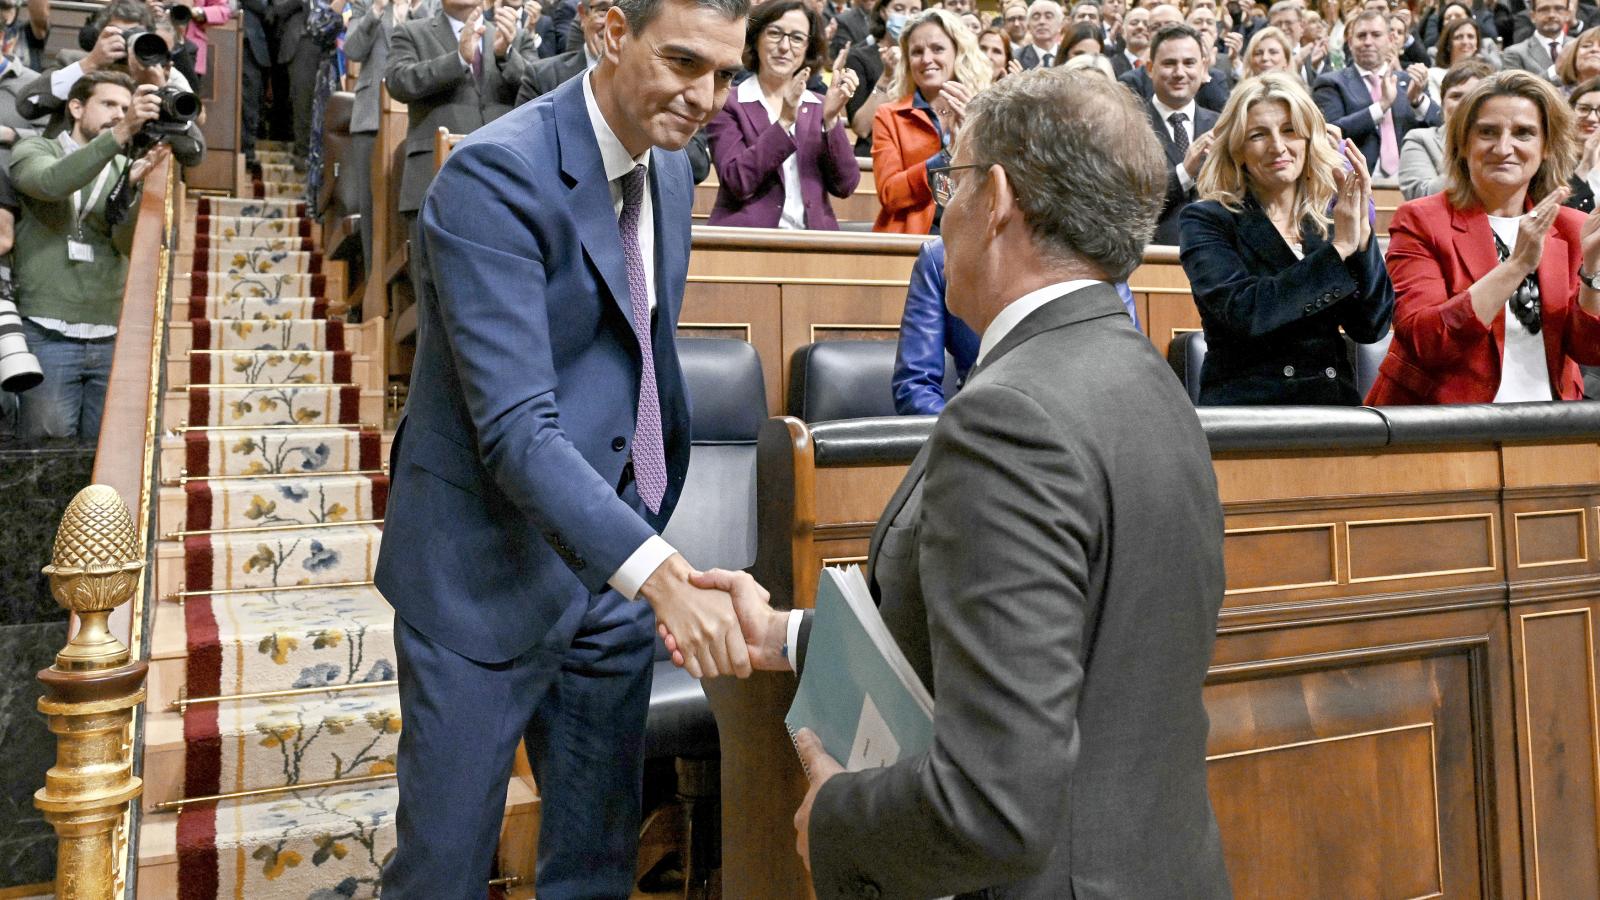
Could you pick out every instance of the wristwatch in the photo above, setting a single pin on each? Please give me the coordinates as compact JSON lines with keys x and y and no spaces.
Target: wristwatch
{"x":1593,"y":281}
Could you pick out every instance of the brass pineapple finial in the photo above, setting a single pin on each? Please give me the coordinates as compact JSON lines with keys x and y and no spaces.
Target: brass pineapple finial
{"x":94,"y":569}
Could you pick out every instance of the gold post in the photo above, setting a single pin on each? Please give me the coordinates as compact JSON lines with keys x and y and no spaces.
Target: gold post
{"x":90,"y":693}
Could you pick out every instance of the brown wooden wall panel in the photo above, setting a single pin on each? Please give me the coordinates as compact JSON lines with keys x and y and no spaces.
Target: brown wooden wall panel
{"x":1556,"y":699}
{"x":1422,"y":546}
{"x":855,"y":496}
{"x":749,"y":312}
{"x":1171,"y":314}
{"x":836,"y":312}
{"x":1280,"y":557}
{"x":1309,"y":477}
{"x":220,"y":169}
{"x":1549,"y":538}
{"x":1541,"y":465}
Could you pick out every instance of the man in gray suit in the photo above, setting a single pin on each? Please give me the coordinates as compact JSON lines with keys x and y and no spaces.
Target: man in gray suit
{"x":366,"y":41}
{"x":1538,"y":53}
{"x":1052,"y":563}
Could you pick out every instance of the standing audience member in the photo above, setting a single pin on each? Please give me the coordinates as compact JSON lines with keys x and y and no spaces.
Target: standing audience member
{"x":206,"y":13}
{"x":367,"y":42}
{"x":71,"y":264}
{"x":1538,"y":54}
{"x":779,"y":149}
{"x":324,"y":24}
{"x":15,"y":76}
{"x":1585,"y":101}
{"x":1045,"y":22}
{"x":941,"y":68}
{"x":1014,"y":19}
{"x":25,"y":35}
{"x":548,"y":74}
{"x":1082,"y":39}
{"x":255,"y":64}
{"x":1407,"y":47}
{"x":1280,"y":253}
{"x":1580,"y":61}
{"x":1268,"y":51}
{"x":875,"y":65}
{"x":298,"y":60}
{"x":1497,"y":300}
{"x":1134,"y":50}
{"x":993,"y":43}
{"x":1422,"y":153}
{"x":1370,"y":102}
{"x":854,"y":26}
{"x":1176,"y":69}
{"x":1459,"y":41}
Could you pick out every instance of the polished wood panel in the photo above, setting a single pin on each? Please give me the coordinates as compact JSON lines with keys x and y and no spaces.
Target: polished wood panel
{"x":220,"y":169}
{"x":1279,"y":557}
{"x":750,"y":312}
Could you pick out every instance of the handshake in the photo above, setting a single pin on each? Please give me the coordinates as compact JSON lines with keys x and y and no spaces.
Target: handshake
{"x":715,"y":623}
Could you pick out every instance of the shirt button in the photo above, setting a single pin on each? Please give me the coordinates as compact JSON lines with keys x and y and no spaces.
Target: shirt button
{"x":1288,"y":371}
{"x":618,"y":443}
{"x":1330,"y":372}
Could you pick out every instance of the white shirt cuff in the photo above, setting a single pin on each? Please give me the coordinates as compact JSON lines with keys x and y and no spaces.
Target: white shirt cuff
{"x":1376,"y":111}
{"x":1185,"y":181}
{"x":638,"y":568}
{"x":62,"y":80}
{"x":791,"y":642}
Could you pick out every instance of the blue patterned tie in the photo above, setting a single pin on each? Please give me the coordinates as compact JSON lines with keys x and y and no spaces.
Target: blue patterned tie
{"x":649,"y":457}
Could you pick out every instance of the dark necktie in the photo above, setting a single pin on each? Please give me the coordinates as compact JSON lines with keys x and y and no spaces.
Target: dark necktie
{"x":1045,"y":60}
{"x":1179,"y":136}
{"x":649,"y":455}
{"x":1555,"y":50}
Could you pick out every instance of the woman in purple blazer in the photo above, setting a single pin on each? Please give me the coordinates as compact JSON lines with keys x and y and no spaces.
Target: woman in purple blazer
{"x":780,"y":149}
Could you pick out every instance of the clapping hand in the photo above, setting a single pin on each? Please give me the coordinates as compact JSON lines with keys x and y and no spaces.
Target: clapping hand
{"x":1391,"y":90}
{"x":471,"y":41}
{"x":1419,"y":82}
{"x":1198,"y":151}
{"x":1535,"y":226}
{"x":1590,"y":156}
{"x":1352,"y":227}
{"x":1013,"y":68}
{"x":792,"y":92}
{"x":505,"y":29}
{"x":1234,"y":41}
{"x":1589,"y":240}
{"x":951,"y":107}
{"x":840,"y":90}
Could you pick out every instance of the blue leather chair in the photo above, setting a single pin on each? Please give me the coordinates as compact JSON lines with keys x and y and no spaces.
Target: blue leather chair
{"x":1367,"y":359}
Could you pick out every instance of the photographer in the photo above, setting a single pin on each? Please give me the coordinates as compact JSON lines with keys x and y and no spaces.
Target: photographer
{"x":125,"y":21}
{"x":70,"y":263}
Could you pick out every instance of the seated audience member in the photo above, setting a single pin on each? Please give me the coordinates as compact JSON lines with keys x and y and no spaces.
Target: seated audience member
{"x":941,"y":69}
{"x":997,"y":47}
{"x":1046,"y":22}
{"x":1496,"y":299}
{"x":1407,"y":47}
{"x":1422,"y":153}
{"x":1580,"y":60}
{"x":1539,"y":51}
{"x":1435,"y":21}
{"x":547,"y":74}
{"x":1280,"y":253}
{"x":70,"y":262}
{"x":779,"y":149}
{"x":1585,"y":181}
{"x":1176,"y":69}
{"x":1372,"y":103}
{"x":1268,"y":51}
{"x":876,"y":65}
{"x":1461,"y":40}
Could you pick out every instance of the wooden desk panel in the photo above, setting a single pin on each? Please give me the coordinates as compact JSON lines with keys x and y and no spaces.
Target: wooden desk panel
{"x":219,"y":170}
{"x":750,"y":312}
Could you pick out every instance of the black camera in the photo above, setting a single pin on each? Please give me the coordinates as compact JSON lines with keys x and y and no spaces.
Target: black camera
{"x":181,"y":16}
{"x":149,"y":48}
{"x":178,"y":109}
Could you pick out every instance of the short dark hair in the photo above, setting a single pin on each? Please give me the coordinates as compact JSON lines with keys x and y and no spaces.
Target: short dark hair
{"x":83,"y":88}
{"x":1466,"y":70}
{"x":1373,"y":14}
{"x":771,"y":11}
{"x":124,"y":11}
{"x":1083,"y":31}
{"x":1588,"y":86}
{"x":640,"y":13}
{"x":880,"y":19}
{"x":1174,"y":32}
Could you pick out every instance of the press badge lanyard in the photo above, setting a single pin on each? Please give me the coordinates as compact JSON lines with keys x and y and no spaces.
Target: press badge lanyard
{"x":79,"y":250}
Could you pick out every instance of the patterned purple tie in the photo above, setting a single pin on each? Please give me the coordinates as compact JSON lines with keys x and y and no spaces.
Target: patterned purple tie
{"x":649,"y":457}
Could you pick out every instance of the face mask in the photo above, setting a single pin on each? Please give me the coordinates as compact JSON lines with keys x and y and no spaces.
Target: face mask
{"x":895,"y":24}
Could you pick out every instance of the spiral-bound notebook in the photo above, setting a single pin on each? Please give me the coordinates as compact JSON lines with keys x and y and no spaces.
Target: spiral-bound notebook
{"x":858,"y":692}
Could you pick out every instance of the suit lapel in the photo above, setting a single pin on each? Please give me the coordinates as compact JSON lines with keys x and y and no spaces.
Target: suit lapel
{"x":1160,"y":127}
{"x":1554,"y":280}
{"x":1357,"y":86}
{"x":1474,"y":243}
{"x":589,"y":193}
{"x":1262,"y":237}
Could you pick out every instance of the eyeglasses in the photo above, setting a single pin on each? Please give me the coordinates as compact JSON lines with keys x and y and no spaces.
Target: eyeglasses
{"x":776,"y":36}
{"x":944,"y":183}
{"x":1584,"y":110}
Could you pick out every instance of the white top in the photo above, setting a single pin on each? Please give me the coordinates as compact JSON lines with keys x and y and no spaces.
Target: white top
{"x":644,"y":561}
{"x":1524,"y":371}
{"x":794,"y":203}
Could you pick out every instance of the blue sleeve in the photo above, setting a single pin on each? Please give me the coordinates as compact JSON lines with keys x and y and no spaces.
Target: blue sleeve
{"x":919,"y":362}
{"x":1127,"y":300}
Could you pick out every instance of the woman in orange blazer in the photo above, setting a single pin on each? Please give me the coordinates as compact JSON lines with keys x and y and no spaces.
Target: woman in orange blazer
{"x":1495,"y":294}
{"x":941,"y":68}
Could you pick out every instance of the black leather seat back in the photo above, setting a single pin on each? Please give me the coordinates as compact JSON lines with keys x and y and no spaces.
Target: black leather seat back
{"x":1186,"y":354}
{"x":1368,"y":358}
{"x":832,"y":380}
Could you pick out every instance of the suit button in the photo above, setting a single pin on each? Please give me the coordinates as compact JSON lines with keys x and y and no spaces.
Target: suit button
{"x":1309,"y":308}
{"x":1288,"y":371}
{"x":618,"y":444}
{"x":1330,"y":372}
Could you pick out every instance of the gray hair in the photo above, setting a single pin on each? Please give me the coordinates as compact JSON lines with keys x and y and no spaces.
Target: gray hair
{"x":1079,"y":152}
{"x":641,"y":13}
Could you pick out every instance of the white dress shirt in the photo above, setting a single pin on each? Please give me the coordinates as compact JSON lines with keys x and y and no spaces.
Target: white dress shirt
{"x":1185,"y":180}
{"x":649,"y":556}
{"x":1008,"y":319}
{"x":794,"y":203}
{"x":1052,"y":52}
{"x":1524,"y":373}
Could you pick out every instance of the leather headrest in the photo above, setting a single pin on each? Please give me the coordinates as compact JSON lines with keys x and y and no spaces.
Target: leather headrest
{"x":832,"y":380}
{"x":727,"y":394}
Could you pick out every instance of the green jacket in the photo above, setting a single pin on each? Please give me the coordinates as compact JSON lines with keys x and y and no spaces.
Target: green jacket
{"x":48,"y":284}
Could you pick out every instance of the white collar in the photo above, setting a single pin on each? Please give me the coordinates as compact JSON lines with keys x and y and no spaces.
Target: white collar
{"x":455,"y":24}
{"x":750,"y":92}
{"x":1368,"y":73}
{"x":613,"y":156}
{"x":1052,"y":50}
{"x":1021,"y":308}
{"x":1166,"y":111}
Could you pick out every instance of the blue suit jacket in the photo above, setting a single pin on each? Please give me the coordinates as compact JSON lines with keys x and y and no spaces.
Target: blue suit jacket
{"x":511,"y":499}
{"x":1344,"y":100}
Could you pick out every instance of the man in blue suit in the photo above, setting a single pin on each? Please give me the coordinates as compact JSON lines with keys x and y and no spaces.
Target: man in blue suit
{"x":543,"y":448}
{"x":1370,"y":102}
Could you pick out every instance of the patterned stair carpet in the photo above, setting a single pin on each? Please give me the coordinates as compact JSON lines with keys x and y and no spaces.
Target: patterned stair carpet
{"x":281,"y":511}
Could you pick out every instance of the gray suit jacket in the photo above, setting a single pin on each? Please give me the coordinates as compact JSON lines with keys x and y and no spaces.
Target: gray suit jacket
{"x":367,"y":42}
{"x":1531,"y":55}
{"x":1422,"y":163}
{"x":1065,"y":646}
{"x":426,"y":73}
{"x":546,"y":75}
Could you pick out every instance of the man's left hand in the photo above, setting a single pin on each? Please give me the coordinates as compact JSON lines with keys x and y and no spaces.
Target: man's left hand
{"x":819,"y":768}
{"x":1419,"y":82}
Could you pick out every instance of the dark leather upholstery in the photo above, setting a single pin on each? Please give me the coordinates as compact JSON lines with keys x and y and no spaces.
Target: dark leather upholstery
{"x":1186,"y":354}
{"x":1367,"y":359}
{"x":338,"y":202}
{"x":714,"y":525}
{"x":1291,"y":427}
{"x":1490,"y":422}
{"x":886,"y":440}
{"x":832,"y":380}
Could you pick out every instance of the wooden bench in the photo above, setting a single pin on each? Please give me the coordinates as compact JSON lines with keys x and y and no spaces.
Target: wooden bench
{"x":1402,"y":695}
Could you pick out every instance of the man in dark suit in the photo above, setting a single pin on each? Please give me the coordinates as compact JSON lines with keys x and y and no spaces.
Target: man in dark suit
{"x":1371,"y":104}
{"x":1045,"y":22}
{"x":547,"y":434}
{"x":1538,"y":53}
{"x":854,"y":27}
{"x":1066,"y":666}
{"x":1184,"y":127}
{"x":1133,"y":52}
{"x":296,"y":61}
{"x":546,"y":75}
{"x":256,"y":62}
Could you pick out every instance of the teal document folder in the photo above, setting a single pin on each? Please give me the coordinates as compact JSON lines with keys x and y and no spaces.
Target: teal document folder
{"x":858,"y":692}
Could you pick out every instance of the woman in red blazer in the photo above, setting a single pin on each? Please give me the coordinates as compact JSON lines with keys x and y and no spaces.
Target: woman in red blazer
{"x":1489,"y":306}
{"x":915,"y":133}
